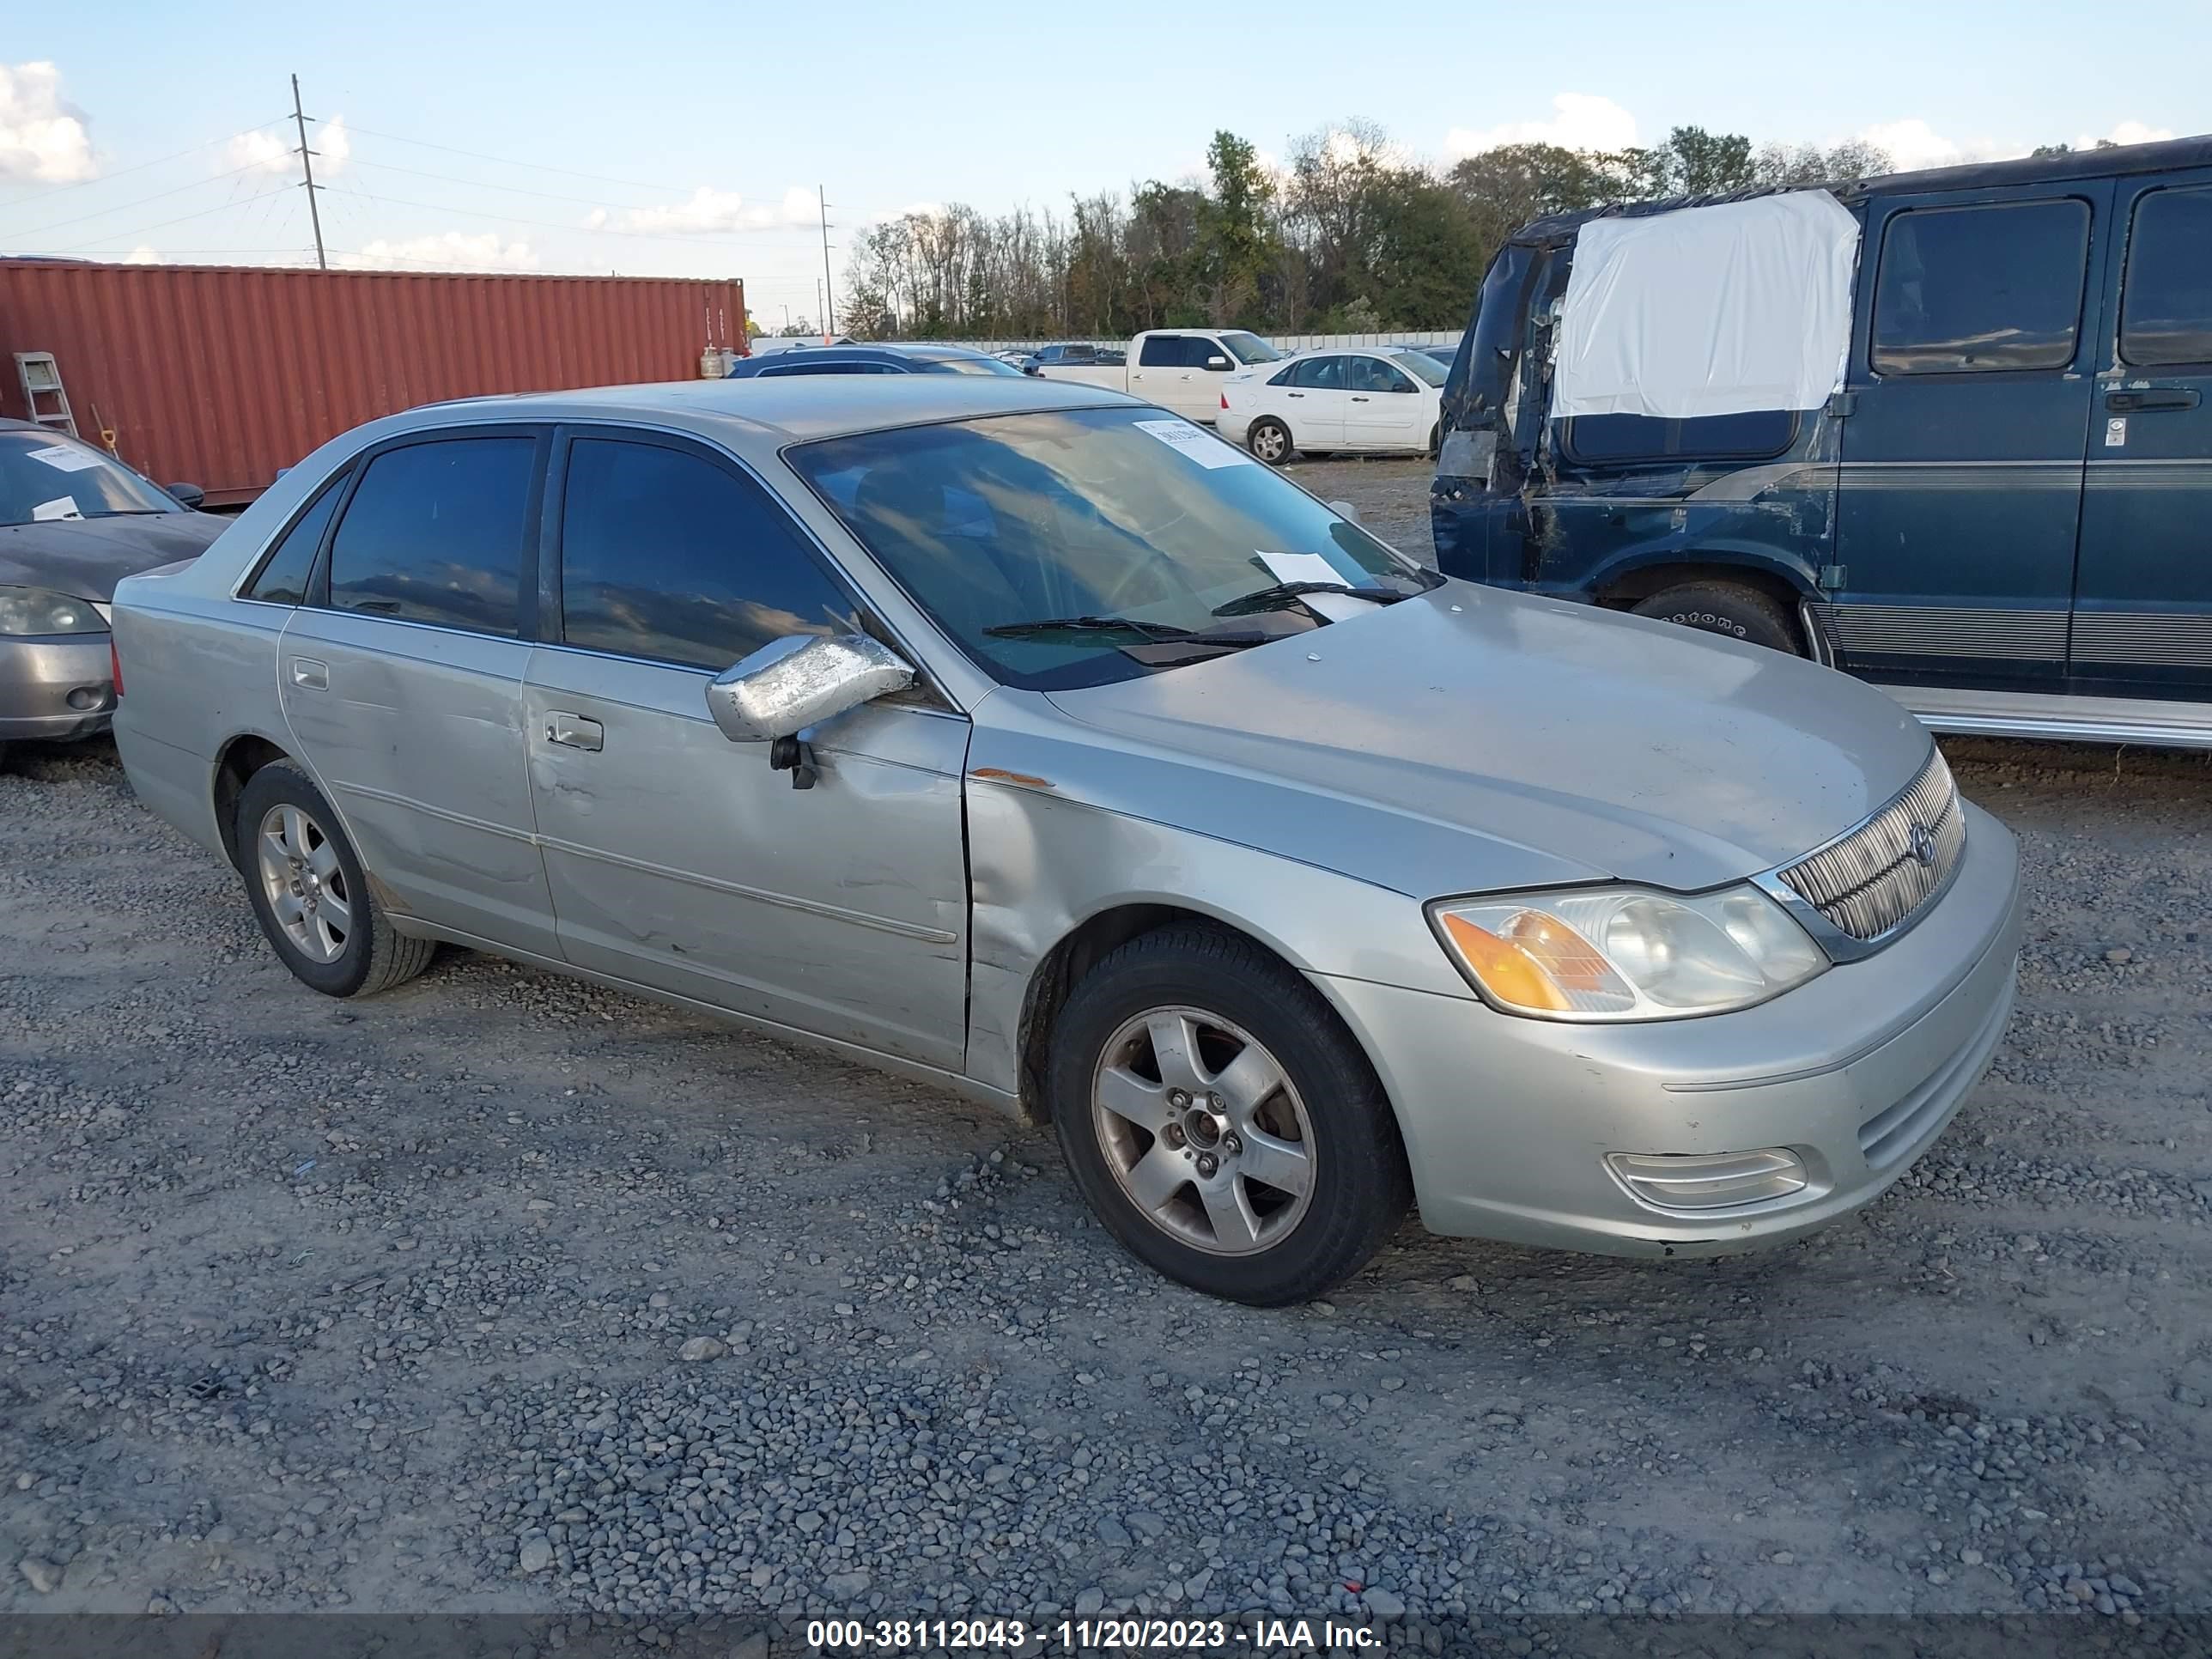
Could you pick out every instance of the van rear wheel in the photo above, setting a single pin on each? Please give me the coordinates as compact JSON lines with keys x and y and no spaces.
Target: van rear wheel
{"x":1729,"y":609}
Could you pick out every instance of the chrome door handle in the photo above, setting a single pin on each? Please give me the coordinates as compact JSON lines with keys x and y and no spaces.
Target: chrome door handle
{"x":309,"y":675}
{"x":575,"y":730}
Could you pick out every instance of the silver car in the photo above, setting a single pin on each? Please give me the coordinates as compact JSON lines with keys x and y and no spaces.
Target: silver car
{"x":74,"y":520}
{"x":1022,"y":737}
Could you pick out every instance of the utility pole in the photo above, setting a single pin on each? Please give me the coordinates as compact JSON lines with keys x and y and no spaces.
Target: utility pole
{"x":821,"y":326}
{"x":307,"y":171}
{"x":828,"y":293}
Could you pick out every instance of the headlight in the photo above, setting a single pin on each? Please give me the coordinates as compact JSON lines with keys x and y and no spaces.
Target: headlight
{"x":1626,"y":952}
{"x":34,"y":610}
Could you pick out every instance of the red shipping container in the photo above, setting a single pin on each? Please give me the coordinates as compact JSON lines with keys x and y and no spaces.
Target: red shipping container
{"x":219,"y":375}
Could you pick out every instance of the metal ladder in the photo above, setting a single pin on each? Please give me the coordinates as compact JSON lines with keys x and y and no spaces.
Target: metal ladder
{"x":41,"y":377}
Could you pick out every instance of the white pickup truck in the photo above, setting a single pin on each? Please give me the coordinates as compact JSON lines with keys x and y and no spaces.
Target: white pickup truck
{"x":1178,"y":368}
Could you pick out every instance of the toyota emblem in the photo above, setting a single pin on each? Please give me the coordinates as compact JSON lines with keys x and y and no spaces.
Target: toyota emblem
{"x":1923,"y":843}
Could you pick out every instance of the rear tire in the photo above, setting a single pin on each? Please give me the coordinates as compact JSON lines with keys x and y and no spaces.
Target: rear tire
{"x":1269,"y":441}
{"x":1220,"y":1121}
{"x":1729,"y":609}
{"x":309,"y":892}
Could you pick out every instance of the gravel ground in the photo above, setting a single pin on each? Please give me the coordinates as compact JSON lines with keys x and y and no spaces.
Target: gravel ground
{"x":504,"y":1293}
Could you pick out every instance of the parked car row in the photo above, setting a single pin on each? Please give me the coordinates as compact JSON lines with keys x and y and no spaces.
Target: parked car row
{"x":1037,"y":743}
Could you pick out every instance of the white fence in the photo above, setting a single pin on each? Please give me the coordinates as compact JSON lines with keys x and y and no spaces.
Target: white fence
{"x":1281,"y":342}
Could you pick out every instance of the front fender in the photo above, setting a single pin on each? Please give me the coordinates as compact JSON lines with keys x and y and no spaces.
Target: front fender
{"x":1041,"y":865}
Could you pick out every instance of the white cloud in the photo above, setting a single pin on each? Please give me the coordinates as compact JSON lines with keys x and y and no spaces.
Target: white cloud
{"x":42,"y":137}
{"x":2127,"y":132}
{"x":271,"y":151}
{"x":1912,"y":143}
{"x":453,"y":249}
{"x":707,"y":211}
{"x":1580,"y":120}
{"x":142,"y":255}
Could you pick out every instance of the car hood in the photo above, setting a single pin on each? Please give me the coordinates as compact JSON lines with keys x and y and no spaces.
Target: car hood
{"x":1472,"y":739}
{"x":86,"y":557}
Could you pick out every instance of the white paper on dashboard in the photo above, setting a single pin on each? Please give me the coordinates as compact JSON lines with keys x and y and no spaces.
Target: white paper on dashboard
{"x":1313,"y":568}
{"x":1194,"y":444}
{"x":62,"y":458}
{"x":61,"y":506}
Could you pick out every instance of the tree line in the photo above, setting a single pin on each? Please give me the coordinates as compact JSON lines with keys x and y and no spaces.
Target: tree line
{"x":1353,"y":234}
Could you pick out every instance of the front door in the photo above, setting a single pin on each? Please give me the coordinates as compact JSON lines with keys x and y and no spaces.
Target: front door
{"x":682,"y":860}
{"x":401,"y":677}
{"x":2142,"y":608}
{"x":1972,"y":354}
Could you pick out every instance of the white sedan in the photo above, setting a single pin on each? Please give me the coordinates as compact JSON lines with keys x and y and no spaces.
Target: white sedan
{"x":1363,"y":399}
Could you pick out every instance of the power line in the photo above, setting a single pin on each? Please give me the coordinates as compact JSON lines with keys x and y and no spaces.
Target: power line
{"x":219,"y":208}
{"x":118,"y":207}
{"x":508,"y":162}
{"x":140,"y":166}
{"x":694,"y":237}
{"x":479,"y":183}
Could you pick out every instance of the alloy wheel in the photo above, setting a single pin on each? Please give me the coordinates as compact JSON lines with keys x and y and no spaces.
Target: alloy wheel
{"x":304,"y":883}
{"x":1204,"y":1130}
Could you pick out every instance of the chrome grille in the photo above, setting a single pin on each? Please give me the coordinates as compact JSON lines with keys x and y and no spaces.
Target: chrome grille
{"x":1876,"y":878}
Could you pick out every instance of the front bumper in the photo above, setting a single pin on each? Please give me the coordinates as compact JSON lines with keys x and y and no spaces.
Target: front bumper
{"x":1508,"y":1120}
{"x":55,"y":687}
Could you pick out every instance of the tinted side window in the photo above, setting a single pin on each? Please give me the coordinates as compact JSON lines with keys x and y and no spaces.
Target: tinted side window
{"x":2165,"y":299}
{"x":434,"y":534}
{"x":1162,"y":352}
{"x":1971,"y":288}
{"x":1371,"y":374}
{"x":1321,"y":374}
{"x":665,"y":555}
{"x":1706,"y":437}
{"x":283,"y":578}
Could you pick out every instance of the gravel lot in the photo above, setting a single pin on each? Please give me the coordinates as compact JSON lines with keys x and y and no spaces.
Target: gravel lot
{"x":505,"y":1293}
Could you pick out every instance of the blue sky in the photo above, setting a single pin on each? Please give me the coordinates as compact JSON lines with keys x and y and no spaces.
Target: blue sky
{"x":692,"y":137}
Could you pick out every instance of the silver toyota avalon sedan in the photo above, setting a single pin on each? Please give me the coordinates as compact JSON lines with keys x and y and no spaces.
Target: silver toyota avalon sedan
{"x":1028,"y":739}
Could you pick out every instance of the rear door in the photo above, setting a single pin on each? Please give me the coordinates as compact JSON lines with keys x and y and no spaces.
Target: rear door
{"x":1384,"y":409}
{"x":401,"y":677}
{"x":1314,"y":401}
{"x":2142,"y":608}
{"x":1973,"y":352}
{"x":1160,"y":372}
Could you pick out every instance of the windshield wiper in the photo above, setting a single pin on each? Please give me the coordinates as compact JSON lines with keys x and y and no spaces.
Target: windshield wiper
{"x":1150,"y":631}
{"x":1284,"y":594}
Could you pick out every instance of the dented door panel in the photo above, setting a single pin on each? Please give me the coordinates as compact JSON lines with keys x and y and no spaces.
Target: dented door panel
{"x":415,"y":733}
{"x":682,"y":860}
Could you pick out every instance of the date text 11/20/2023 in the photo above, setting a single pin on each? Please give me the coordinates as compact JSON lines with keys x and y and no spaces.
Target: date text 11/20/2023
{"x":980,"y":1635}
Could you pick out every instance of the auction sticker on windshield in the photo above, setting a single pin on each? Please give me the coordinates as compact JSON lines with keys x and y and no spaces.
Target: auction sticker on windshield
{"x":1190,"y":442}
{"x":62,"y":458}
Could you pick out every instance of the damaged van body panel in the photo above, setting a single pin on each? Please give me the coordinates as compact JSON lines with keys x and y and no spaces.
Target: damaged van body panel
{"x":1995,"y":516}
{"x":1567,"y":508}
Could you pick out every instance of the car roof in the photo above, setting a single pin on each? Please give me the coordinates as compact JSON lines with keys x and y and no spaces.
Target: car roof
{"x":784,"y":409}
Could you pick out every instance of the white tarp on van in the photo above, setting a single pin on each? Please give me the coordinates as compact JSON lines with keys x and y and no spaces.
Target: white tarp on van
{"x":1708,"y":311}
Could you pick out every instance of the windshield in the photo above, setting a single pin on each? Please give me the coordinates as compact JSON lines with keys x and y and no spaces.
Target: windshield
{"x":1083,"y":513}
{"x":49,"y":475}
{"x":1250,"y":348}
{"x":1424,"y":367}
{"x":967,"y":365}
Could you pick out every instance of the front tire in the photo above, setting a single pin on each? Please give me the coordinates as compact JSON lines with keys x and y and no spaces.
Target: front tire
{"x":1729,"y":609}
{"x":1220,"y":1121}
{"x":310,"y":894}
{"x":1269,"y":441}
